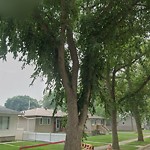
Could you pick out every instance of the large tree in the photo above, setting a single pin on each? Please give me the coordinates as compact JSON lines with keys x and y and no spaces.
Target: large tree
{"x":60,"y":37}
{"x":114,"y":46}
{"x":21,"y":103}
{"x":114,"y":87}
{"x":138,"y":76}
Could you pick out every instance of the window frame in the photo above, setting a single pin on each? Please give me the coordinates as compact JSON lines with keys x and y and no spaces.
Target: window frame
{"x":45,"y":121}
{"x":4,"y":122}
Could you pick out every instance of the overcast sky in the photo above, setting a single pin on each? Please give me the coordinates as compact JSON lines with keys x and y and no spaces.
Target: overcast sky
{"x":15,"y":81}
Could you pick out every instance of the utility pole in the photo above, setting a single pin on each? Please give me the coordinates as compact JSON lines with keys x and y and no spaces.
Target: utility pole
{"x":29,"y":104}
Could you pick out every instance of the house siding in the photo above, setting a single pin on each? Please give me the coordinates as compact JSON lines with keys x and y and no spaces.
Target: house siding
{"x":44,"y":128}
{"x":26,"y":124}
{"x":9,"y":134}
{"x":127,"y":125}
{"x":32,"y":124}
{"x":22,"y":123}
{"x":88,"y":126}
{"x":92,"y":122}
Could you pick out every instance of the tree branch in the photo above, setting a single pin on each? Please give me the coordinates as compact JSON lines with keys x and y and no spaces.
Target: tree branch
{"x":120,"y":17}
{"x":128,"y":64}
{"x":74,"y":57}
{"x":113,"y":84}
{"x":61,"y":50}
{"x":137,"y":90}
{"x":84,"y":110}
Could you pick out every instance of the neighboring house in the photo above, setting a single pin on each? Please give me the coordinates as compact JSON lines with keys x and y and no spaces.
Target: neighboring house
{"x":126,"y":123}
{"x":96,"y":123}
{"x":8,"y":124}
{"x":41,"y":120}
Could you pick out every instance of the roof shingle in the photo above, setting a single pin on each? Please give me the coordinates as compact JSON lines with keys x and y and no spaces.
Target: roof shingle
{"x":43,"y":112}
{"x":4,"y":110}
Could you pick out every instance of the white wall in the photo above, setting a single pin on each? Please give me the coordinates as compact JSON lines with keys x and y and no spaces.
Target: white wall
{"x":26,"y":124}
{"x":12,"y":126}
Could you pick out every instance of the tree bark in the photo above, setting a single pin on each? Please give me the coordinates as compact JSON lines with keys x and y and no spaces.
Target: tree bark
{"x":74,"y":132}
{"x":76,"y":118}
{"x":115,"y":141}
{"x":113,"y":110}
{"x":138,"y":123}
{"x":74,"y":127}
{"x":134,"y":106}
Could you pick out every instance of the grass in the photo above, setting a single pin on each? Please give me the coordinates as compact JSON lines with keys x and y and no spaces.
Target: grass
{"x":15,"y":146}
{"x":135,"y":145}
{"x":105,"y":139}
{"x":94,"y":140}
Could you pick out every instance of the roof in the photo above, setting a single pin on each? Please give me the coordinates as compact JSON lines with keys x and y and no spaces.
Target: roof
{"x":4,"y":110}
{"x":43,"y":112}
{"x":94,"y":117}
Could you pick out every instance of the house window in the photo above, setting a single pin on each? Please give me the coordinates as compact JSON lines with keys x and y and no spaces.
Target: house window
{"x":57,"y":123}
{"x":4,"y":122}
{"x":45,"y":121}
{"x":93,"y":121}
{"x":102,"y":121}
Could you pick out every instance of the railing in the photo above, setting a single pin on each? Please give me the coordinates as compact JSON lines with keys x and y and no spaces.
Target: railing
{"x":45,"y":137}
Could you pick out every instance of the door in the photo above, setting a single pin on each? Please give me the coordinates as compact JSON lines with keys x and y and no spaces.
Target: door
{"x":58,"y":124}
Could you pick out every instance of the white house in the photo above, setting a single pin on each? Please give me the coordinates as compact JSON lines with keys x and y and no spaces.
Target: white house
{"x":8,"y":124}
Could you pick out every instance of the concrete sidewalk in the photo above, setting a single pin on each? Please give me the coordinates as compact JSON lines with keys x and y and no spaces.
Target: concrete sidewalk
{"x":122,"y":143}
{"x":147,"y":147}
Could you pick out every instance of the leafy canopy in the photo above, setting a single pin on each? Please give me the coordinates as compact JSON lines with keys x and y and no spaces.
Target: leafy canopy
{"x":21,"y":103}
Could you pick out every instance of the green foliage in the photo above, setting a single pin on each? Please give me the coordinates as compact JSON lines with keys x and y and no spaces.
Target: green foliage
{"x":54,"y":100}
{"x":17,"y":8}
{"x":105,"y":38}
{"x":99,"y":28}
{"x":21,"y":103}
{"x":47,"y":101}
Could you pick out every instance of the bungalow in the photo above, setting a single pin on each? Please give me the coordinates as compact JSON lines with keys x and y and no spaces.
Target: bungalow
{"x":124,"y":123}
{"x":100,"y":125}
{"x":41,"y":120}
{"x":8,"y":124}
{"x":96,"y":125}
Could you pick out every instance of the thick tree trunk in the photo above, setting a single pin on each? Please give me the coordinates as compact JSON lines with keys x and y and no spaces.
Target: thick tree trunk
{"x":75,"y":121}
{"x":73,"y":139}
{"x":74,"y":132}
{"x":138,"y":123}
{"x":115,"y":142}
{"x":134,"y":107}
{"x":113,"y":109}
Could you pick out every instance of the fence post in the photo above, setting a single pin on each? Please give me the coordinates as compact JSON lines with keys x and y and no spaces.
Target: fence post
{"x":22,"y":136}
{"x":35,"y":136}
{"x":50,"y":137}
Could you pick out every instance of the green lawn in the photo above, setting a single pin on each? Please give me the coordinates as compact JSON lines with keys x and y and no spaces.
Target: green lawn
{"x":15,"y":146}
{"x":134,"y":145}
{"x":105,"y":139}
{"x":94,"y":140}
